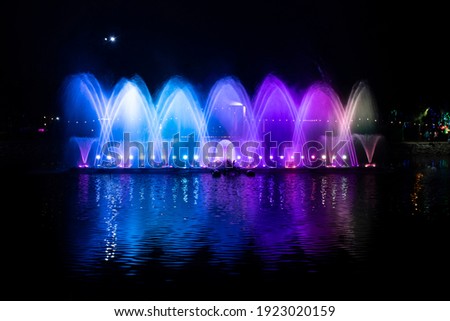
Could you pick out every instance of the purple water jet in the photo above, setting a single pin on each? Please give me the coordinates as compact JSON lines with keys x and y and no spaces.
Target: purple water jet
{"x":125,"y":126}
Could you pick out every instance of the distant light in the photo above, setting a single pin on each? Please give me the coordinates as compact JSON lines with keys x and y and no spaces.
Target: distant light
{"x":97,"y":157}
{"x":344,"y":157}
{"x":185,"y":157}
{"x":324,"y":157}
{"x":110,"y":39}
{"x":195,"y":157}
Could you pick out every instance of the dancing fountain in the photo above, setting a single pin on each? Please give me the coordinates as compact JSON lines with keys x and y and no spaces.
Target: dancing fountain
{"x":125,"y":126}
{"x":363,"y":122}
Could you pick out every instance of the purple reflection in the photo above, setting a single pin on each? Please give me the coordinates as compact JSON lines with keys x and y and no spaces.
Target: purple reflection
{"x":130,"y":221}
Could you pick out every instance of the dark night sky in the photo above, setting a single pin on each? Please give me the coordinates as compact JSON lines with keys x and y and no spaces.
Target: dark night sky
{"x":399,"y":50}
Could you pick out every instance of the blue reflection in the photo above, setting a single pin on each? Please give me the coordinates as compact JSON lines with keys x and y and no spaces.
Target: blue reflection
{"x":126,"y":218}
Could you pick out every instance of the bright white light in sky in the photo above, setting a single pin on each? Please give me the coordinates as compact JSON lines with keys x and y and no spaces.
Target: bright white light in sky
{"x":110,"y":39}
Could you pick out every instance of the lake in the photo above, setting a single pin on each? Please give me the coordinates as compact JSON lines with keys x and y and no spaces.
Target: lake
{"x":185,"y":235}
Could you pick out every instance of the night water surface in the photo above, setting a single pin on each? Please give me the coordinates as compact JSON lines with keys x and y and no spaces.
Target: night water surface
{"x":186,"y":235}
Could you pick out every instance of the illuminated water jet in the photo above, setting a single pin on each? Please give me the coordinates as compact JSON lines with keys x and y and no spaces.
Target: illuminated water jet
{"x":124,"y":126}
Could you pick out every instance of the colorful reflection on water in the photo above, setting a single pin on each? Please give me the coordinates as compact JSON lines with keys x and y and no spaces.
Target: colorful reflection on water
{"x":310,"y":220}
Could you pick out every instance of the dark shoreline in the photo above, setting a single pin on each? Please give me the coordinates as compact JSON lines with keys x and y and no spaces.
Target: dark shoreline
{"x":421,"y":148}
